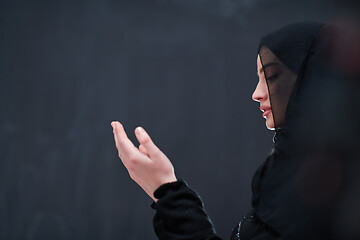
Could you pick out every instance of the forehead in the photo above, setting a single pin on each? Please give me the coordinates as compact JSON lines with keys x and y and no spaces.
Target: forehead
{"x":259,"y":65}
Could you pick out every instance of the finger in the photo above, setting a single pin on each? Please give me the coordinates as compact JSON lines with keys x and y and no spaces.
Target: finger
{"x":143,"y":150}
{"x":123,"y":143}
{"x":116,"y":141}
{"x":145,"y":141}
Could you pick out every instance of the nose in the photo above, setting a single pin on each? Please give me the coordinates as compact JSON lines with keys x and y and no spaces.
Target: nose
{"x":261,"y":92}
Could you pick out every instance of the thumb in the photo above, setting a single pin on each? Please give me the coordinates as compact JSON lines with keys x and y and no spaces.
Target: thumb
{"x":146,"y":142}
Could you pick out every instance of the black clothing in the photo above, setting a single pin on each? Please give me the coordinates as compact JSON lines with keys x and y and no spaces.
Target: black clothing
{"x":180,"y":214}
{"x":312,"y":176}
{"x":308,"y":187}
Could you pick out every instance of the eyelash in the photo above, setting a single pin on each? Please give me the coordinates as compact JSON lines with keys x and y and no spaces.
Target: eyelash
{"x":273,"y":77}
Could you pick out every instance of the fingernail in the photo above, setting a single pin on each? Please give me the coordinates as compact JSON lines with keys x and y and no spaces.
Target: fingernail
{"x":139,"y":130}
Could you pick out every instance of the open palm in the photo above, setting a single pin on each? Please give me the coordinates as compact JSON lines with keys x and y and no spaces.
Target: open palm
{"x":147,"y":165}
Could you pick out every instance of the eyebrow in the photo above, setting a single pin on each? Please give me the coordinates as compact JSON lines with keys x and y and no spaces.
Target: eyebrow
{"x":265,"y":66}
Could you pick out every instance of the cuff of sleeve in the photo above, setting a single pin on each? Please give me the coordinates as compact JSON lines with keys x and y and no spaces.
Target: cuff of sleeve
{"x":163,"y":189}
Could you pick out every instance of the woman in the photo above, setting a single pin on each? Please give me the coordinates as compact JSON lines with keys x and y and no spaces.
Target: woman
{"x":306,"y":187}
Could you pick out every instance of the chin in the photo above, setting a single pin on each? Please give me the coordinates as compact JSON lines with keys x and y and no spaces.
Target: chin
{"x":270,"y":125}
{"x":270,"y":122}
{"x":271,"y":128}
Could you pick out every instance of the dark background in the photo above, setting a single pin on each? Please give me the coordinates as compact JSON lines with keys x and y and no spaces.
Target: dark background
{"x":184,"y":70}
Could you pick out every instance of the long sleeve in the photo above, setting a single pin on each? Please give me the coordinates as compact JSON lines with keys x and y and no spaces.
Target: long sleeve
{"x":180,"y":214}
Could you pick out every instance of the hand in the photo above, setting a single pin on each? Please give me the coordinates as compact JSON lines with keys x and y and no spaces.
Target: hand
{"x":147,"y":165}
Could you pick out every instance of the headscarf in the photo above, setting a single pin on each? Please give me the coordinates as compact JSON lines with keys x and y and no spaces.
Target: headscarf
{"x":309,"y":186}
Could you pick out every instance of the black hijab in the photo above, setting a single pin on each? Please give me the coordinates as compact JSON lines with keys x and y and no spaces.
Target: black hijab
{"x":309,"y":186}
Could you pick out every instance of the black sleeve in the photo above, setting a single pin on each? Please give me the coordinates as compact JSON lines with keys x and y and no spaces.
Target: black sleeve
{"x":180,"y":214}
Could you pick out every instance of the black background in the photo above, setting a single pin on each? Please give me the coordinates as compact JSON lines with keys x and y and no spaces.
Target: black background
{"x":184,"y":70}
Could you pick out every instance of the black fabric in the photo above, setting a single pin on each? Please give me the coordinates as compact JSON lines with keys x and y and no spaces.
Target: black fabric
{"x":251,"y":227}
{"x":180,"y":214}
{"x":308,"y":187}
{"x":302,"y":190}
{"x":286,"y":49}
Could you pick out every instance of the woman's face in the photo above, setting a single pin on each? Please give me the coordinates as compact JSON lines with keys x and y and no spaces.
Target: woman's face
{"x":261,"y":95}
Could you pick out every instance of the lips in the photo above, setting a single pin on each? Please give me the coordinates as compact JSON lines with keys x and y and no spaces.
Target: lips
{"x":266,"y":110}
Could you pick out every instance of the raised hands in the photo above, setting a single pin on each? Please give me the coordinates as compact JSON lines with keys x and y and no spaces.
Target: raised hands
{"x":147,"y":165}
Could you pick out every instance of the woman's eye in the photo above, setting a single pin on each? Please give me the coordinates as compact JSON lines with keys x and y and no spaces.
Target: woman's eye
{"x":273,"y":77}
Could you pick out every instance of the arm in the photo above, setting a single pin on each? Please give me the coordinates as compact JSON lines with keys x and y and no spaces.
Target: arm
{"x":180,"y":212}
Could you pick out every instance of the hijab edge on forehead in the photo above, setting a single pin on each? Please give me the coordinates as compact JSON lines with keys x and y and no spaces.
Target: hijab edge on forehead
{"x":291,"y":42}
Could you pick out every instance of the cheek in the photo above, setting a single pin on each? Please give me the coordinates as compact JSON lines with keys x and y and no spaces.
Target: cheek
{"x":268,"y":100}
{"x":270,"y":121}
{"x":270,"y":117}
